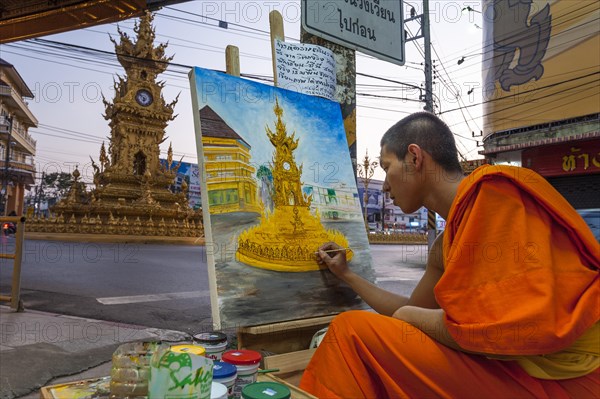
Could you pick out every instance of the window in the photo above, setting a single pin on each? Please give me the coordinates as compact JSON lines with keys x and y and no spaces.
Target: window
{"x":139,"y":164}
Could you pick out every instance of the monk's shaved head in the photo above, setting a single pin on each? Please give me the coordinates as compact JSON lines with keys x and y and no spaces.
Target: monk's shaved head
{"x":428,"y":132}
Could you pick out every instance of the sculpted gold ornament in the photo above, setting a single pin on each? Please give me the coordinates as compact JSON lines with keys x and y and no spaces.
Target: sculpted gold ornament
{"x":286,"y":239}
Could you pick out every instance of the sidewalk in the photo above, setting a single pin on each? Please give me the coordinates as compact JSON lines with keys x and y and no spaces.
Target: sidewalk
{"x":38,"y":347}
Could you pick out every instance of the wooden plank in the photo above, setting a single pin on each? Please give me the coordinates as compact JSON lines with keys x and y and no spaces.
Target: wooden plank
{"x":287,"y":325}
{"x":232,"y":60}
{"x":296,"y":392}
{"x":284,"y":337}
{"x":277,"y":33}
{"x":291,"y":365}
{"x":288,"y":362}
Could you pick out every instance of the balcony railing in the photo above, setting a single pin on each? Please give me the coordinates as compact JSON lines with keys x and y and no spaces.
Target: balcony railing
{"x":17,"y":100}
{"x":20,"y":135}
{"x":22,"y":171}
{"x":17,"y":165}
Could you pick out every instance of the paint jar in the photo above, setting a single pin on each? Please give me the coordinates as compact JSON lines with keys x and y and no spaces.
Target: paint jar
{"x":266,"y":390}
{"x":130,"y":369}
{"x":225,"y":374}
{"x":180,"y":371}
{"x":218,"y":391}
{"x":215,"y":344}
{"x":246,"y":362}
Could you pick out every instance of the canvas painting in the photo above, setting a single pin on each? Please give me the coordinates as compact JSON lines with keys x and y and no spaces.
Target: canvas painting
{"x":277,"y":183}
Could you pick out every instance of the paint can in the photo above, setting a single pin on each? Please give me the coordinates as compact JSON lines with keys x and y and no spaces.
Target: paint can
{"x":215,"y":344}
{"x":218,"y":391}
{"x":130,"y":369}
{"x":246,"y":362}
{"x":225,"y":374}
{"x":266,"y":390}
{"x":180,"y":371}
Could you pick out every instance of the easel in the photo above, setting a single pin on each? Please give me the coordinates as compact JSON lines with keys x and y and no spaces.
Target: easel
{"x":288,"y":341}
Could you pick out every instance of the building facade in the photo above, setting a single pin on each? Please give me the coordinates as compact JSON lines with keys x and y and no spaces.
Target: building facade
{"x":382,"y":214}
{"x":189,"y":174}
{"x":229,"y":173}
{"x":17,"y":147}
{"x":334,"y":203}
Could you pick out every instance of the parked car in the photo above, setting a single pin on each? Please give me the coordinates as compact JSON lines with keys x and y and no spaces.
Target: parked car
{"x":592,"y":218}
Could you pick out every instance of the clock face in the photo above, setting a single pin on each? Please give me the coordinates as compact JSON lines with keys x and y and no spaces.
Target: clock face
{"x":143,"y":97}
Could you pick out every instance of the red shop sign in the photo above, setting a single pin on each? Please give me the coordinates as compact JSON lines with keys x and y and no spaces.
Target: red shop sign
{"x":574,"y":158}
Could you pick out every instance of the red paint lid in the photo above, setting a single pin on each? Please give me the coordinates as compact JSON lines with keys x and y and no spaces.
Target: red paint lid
{"x":241,"y":357}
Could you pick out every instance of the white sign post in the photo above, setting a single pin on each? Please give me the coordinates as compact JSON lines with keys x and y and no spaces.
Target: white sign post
{"x":374,"y":27}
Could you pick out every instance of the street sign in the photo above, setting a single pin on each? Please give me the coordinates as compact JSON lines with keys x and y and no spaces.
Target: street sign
{"x":373,"y":27}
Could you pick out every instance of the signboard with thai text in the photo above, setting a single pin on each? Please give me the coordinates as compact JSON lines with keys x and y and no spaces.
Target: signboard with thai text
{"x":374,"y":27}
{"x":305,"y":68}
{"x":574,"y":158}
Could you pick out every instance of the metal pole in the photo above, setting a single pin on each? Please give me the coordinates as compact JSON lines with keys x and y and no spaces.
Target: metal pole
{"x":383,"y":211}
{"x":6,"y":162}
{"x":431,"y":224}
{"x":15,"y":297}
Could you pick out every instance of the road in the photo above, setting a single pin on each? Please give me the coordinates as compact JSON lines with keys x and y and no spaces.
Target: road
{"x":161,"y":286}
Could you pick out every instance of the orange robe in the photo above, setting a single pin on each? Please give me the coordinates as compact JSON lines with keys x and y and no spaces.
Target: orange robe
{"x":521,"y":278}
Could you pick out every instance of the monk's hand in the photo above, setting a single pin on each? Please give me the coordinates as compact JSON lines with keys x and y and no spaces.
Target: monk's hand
{"x":332,"y":256}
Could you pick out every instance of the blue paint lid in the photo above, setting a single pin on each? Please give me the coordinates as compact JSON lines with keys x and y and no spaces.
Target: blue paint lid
{"x":223,"y":370}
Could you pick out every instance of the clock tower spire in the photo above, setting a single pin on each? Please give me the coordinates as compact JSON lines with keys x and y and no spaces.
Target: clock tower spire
{"x":138,"y":115}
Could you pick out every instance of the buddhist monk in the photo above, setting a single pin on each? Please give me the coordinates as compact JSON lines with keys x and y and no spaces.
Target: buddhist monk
{"x":509,"y":303}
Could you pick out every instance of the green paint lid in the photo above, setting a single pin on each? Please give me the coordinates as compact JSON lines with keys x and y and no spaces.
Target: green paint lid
{"x":266,"y":390}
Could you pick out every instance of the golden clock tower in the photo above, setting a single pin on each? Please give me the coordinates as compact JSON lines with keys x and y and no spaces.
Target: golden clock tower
{"x":131,"y":195}
{"x":138,"y":115}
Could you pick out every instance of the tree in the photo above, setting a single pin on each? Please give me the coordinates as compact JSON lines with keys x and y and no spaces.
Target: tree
{"x":57,"y":184}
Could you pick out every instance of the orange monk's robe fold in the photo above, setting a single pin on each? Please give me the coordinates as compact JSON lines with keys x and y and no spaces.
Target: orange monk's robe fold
{"x":370,"y":356}
{"x":521,"y":266}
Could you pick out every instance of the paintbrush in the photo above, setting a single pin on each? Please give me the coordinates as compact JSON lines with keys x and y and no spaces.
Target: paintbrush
{"x":335,"y":250}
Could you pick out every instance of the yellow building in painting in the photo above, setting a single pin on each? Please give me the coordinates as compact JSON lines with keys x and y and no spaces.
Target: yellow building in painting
{"x":230,"y":178}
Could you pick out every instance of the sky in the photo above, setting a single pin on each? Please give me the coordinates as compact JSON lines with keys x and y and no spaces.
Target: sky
{"x":69,"y":86}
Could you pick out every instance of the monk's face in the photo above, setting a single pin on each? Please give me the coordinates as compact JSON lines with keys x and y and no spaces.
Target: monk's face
{"x":401,"y":180}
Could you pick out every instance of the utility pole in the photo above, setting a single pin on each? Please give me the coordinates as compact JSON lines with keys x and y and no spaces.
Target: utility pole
{"x":39,"y":190}
{"x":425,"y":34}
{"x":6,"y":165}
{"x":431,"y":217}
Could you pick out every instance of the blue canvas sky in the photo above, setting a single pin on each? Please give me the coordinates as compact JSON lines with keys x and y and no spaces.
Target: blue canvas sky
{"x":247,"y":107}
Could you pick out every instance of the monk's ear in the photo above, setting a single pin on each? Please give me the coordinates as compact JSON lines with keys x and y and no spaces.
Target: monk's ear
{"x":414,"y":156}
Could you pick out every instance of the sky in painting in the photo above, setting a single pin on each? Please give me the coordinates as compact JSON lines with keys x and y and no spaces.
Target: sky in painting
{"x":247,"y":107}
